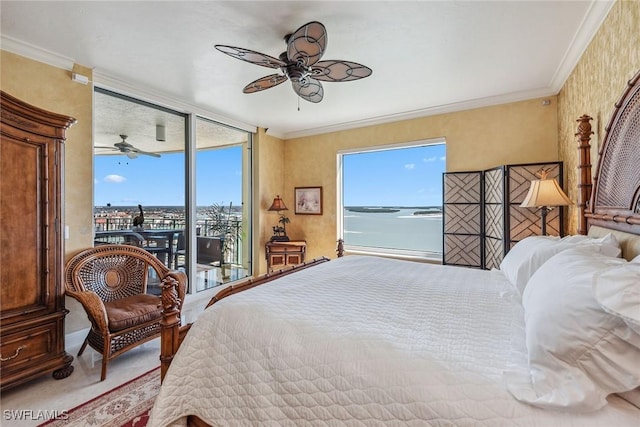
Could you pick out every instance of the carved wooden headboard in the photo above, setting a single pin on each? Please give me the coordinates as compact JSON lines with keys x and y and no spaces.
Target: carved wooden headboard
{"x":612,"y":200}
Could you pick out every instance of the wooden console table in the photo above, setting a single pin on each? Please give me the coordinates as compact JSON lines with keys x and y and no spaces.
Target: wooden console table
{"x":283,"y":254}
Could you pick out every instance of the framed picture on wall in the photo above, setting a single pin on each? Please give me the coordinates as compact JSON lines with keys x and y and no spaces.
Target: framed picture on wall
{"x":308,"y":201}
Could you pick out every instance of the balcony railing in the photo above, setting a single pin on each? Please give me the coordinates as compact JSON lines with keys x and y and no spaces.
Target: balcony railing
{"x":204,"y":227}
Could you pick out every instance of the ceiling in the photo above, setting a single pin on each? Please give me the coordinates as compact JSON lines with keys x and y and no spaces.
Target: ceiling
{"x":151,"y":129}
{"x":427,"y":57}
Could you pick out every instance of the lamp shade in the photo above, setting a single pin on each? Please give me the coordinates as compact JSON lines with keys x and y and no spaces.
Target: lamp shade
{"x":545,"y":192}
{"x":278,"y":205}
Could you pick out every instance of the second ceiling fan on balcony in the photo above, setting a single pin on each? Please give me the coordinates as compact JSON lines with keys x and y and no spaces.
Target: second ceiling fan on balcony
{"x":300,"y":63}
{"x":129,"y":150}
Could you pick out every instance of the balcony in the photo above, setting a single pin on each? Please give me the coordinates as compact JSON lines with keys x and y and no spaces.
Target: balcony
{"x":166,"y":237}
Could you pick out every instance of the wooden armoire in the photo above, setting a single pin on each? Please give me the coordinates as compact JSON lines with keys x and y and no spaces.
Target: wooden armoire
{"x":32,"y":310}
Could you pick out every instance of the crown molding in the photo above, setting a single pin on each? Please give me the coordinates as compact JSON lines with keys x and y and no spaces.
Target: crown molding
{"x":592,"y":21}
{"x":105,"y":81}
{"x":36,"y":53}
{"x":425,"y":112}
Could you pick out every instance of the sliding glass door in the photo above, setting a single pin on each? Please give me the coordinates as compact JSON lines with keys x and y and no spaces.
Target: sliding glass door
{"x":188,"y":206}
{"x":222,"y":184}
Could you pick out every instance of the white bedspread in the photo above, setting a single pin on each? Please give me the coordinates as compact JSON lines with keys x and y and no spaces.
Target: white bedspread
{"x":362,"y":341}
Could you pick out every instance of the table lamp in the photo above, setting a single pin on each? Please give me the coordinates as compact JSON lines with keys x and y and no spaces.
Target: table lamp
{"x":279,"y":232}
{"x":545,"y":193}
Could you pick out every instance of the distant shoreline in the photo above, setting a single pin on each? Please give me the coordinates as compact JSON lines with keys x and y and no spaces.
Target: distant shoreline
{"x":373,"y":210}
{"x":420,"y":210}
{"x":151,"y":210}
{"x":428,"y":212}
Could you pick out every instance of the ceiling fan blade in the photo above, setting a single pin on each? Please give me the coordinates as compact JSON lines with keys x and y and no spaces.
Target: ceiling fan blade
{"x":307,"y":43}
{"x":149,"y":154}
{"x":339,"y":71}
{"x":251,"y":56}
{"x":146,"y":153}
{"x":264,"y":83}
{"x":106,"y":148}
{"x":309,"y":89}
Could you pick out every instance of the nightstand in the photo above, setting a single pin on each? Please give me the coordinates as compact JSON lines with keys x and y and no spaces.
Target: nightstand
{"x":283,"y":254}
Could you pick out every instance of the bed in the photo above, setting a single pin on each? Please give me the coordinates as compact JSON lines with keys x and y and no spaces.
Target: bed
{"x":551,"y":338}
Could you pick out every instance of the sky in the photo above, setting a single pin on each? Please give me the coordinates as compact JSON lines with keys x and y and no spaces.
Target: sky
{"x":151,"y":181}
{"x":399,"y":177}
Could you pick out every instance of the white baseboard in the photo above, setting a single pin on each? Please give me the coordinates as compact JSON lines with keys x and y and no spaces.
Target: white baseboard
{"x":75,"y":339}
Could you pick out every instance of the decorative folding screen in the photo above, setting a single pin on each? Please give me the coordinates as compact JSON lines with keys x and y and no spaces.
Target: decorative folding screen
{"x":483,"y":208}
{"x":462,"y":219}
{"x":494,"y":192}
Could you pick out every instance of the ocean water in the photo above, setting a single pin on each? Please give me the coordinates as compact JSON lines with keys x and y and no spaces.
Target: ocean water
{"x":397,"y":230}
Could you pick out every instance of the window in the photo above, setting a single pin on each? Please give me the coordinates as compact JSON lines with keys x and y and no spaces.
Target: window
{"x":392,"y":199}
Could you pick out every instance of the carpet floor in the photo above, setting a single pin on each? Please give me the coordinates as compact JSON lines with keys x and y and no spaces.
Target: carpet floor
{"x":127,"y":405}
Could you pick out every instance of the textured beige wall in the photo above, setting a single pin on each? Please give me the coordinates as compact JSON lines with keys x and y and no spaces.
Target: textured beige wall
{"x":594,"y":86}
{"x":269,"y":173}
{"x":521,"y":132}
{"x":52,"y":89}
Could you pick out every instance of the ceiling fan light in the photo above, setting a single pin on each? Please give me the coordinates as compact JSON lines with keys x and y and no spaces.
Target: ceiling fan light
{"x":308,"y":89}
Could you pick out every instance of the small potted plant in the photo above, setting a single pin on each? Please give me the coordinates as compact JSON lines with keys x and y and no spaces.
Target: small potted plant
{"x":225,"y":227}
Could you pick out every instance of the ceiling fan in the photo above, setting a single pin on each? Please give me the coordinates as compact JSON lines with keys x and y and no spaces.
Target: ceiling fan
{"x":300,"y":63}
{"x":128,"y":149}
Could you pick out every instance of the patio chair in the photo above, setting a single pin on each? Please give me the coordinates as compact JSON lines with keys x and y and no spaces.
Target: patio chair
{"x":110,"y":281}
{"x":181,"y":251}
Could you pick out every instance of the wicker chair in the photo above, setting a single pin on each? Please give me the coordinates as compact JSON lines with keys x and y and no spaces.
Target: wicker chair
{"x":110,"y":281}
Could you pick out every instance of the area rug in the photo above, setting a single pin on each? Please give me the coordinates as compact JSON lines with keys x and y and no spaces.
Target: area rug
{"x":127,"y":405}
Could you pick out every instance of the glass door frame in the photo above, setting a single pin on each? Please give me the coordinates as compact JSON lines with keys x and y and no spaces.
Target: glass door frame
{"x":190,"y":206}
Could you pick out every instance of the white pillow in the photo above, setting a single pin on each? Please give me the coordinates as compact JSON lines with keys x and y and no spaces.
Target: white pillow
{"x":526,"y":256}
{"x":607,"y":244}
{"x":531,"y":252}
{"x":578,"y":353}
{"x":617,"y":290}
